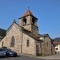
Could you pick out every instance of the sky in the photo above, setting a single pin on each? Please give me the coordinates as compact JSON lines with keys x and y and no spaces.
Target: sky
{"x":47,"y":12}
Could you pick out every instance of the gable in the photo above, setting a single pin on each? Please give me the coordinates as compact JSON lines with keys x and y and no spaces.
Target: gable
{"x":14,"y":26}
{"x":44,"y":36}
{"x":13,"y":31}
{"x":47,"y":38}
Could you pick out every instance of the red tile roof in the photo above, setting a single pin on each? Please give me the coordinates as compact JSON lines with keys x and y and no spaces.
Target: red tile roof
{"x":56,"y":43}
{"x":28,"y":12}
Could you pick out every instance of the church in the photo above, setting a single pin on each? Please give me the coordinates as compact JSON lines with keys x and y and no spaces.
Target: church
{"x":23,"y":37}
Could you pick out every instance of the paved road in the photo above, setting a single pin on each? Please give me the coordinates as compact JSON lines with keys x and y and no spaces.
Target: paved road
{"x":21,"y":58}
{"x":53,"y":57}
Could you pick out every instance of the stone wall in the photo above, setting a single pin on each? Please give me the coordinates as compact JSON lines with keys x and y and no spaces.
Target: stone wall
{"x":28,"y":27}
{"x":38,"y":48}
{"x":53,"y":49}
{"x":46,"y":46}
{"x":32,"y":45}
{"x":35,"y":30}
{"x":17,"y":33}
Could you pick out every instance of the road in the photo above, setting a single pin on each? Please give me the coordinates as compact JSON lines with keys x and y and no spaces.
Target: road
{"x":52,"y":57}
{"x":21,"y":58}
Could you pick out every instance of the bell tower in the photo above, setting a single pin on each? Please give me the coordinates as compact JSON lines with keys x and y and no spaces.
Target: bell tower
{"x":29,"y":22}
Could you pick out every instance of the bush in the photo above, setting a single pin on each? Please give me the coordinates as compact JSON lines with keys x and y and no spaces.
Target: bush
{"x":4,"y":47}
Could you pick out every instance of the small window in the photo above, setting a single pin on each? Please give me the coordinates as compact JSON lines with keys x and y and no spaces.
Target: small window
{"x":27,"y":43}
{"x":12,"y":42}
{"x":56,"y":48}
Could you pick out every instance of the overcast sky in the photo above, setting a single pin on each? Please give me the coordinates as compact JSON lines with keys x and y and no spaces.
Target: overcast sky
{"x":47,"y":12}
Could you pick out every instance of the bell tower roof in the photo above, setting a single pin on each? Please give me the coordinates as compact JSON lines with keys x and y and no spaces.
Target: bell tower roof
{"x":28,"y":12}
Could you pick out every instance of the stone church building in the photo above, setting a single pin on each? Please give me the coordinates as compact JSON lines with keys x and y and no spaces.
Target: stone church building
{"x":24,"y":37}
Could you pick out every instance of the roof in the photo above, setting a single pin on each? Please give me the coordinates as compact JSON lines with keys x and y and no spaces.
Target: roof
{"x":31,"y":35}
{"x":56,"y":43}
{"x":28,"y":12}
{"x":43,"y":35}
{"x":46,"y":35}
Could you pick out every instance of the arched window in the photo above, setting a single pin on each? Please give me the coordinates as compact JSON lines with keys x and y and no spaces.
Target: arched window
{"x":24,"y":21}
{"x":33,"y":21}
{"x":12,"y":42}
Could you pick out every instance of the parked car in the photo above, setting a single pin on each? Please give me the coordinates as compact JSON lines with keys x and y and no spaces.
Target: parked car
{"x":2,"y":53}
{"x":9,"y":52}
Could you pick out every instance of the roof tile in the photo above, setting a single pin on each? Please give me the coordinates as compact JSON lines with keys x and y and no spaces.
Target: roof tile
{"x":28,"y":12}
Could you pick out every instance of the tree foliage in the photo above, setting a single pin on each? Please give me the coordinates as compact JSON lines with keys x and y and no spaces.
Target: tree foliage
{"x":2,"y":32}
